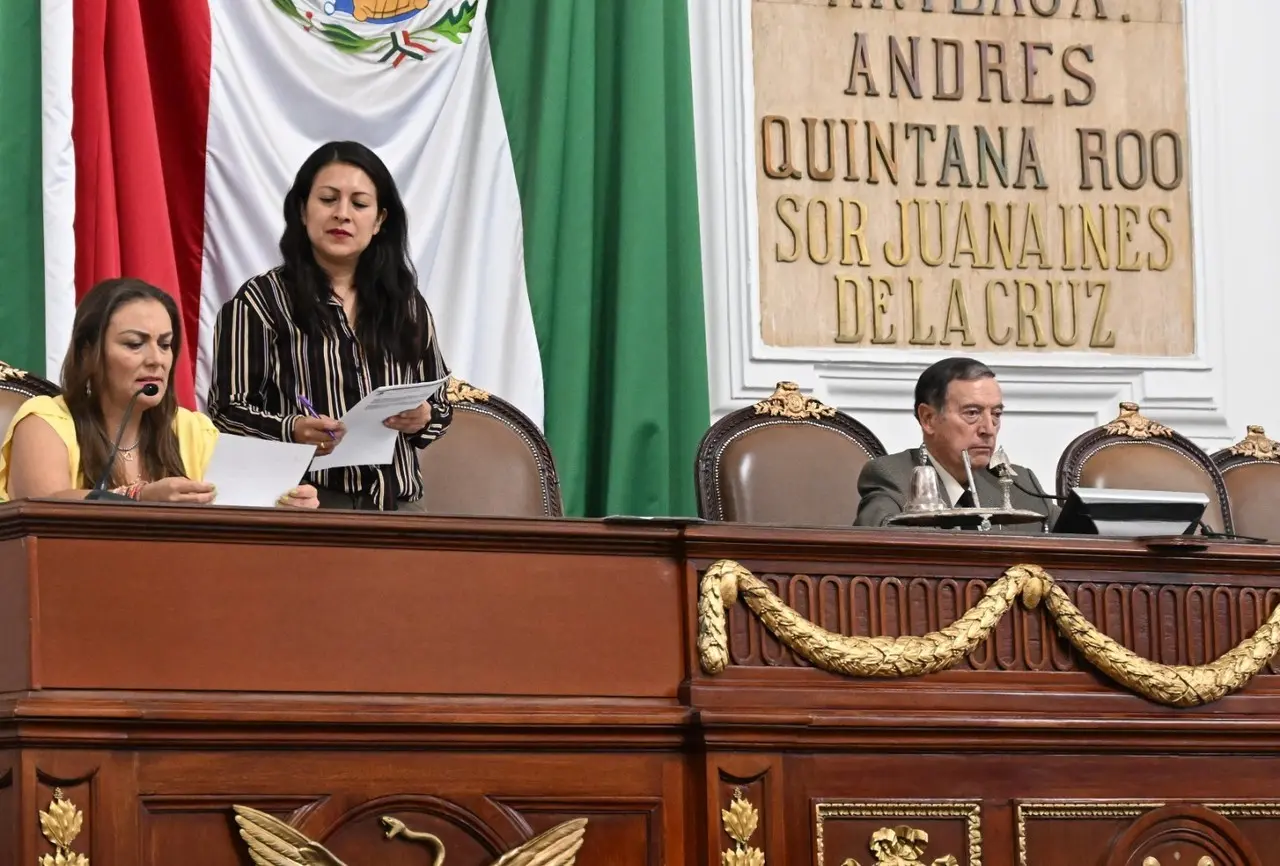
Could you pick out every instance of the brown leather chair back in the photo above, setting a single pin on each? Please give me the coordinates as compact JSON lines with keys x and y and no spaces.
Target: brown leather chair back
{"x":1135,"y":453}
{"x":785,"y":460}
{"x":1251,"y":470}
{"x":16,"y":387}
{"x":492,"y":461}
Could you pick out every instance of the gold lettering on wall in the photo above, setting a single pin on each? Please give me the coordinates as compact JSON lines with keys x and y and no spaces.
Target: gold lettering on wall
{"x":917,"y":317}
{"x":1062,"y":304}
{"x":1102,"y":336}
{"x":992,"y":174}
{"x":882,"y":294}
{"x":848,"y":310}
{"x":957,"y":318}
{"x":854,"y":218}
{"x":788,"y":208}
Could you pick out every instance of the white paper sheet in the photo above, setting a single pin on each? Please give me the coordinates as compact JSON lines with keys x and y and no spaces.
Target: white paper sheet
{"x":255,"y":472}
{"x":368,"y":442}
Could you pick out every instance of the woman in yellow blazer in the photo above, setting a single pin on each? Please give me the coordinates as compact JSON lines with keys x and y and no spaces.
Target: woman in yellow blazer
{"x":125,"y":336}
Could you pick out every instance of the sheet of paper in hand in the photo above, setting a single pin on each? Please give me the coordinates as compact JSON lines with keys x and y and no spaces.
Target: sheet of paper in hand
{"x":255,"y":472}
{"x":369,"y":442}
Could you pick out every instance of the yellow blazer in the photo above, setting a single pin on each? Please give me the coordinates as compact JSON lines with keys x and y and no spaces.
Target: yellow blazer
{"x":196,"y":439}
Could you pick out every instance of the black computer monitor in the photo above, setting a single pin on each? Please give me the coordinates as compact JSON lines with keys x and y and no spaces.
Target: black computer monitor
{"x":1131,"y":513}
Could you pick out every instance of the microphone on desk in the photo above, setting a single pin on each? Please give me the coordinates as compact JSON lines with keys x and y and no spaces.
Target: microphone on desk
{"x":99,"y":491}
{"x":1001,"y":466}
{"x":1047,"y":497}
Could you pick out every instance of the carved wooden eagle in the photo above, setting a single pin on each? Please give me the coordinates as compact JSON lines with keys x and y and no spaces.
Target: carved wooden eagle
{"x":272,"y":842}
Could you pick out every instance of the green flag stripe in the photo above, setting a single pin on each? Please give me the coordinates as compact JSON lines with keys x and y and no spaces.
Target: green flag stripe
{"x":599,"y":110}
{"x":22,"y":248}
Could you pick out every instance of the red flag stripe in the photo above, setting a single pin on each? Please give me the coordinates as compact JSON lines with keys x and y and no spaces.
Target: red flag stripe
{"x":140,"y":85}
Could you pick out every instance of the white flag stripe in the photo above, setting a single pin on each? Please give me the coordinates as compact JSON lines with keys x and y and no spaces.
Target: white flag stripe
{"x":277,"y":92}
{"x":58,"y":174}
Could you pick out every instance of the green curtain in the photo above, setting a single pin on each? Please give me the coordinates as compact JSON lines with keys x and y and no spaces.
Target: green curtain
{"x":599,"y":110}
{"x":22,"y":247}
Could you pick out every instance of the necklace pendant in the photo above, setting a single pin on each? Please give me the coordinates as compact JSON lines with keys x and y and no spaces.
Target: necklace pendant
{"x":127,"y":455}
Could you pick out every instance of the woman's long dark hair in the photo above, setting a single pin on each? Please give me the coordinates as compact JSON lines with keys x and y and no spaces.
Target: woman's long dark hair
{"x":391,"y":317}
{"x":84,"y":383}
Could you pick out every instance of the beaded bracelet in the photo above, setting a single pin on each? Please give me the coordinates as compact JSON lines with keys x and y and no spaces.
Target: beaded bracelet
{"x":133,"y":491}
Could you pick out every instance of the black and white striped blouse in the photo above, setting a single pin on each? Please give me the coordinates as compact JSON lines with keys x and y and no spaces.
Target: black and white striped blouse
{"x":262,"y":361}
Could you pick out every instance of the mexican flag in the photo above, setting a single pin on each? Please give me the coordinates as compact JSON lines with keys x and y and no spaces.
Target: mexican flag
{"x":544,"y":151}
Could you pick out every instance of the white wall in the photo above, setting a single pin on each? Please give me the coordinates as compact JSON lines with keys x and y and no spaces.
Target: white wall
{"x":1051,"y":398}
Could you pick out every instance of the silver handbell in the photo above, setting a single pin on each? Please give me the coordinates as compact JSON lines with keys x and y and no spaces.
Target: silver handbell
{"x":923,"y":494}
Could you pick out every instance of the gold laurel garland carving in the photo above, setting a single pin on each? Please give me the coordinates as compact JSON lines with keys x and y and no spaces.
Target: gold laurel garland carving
{"x":911,"y":655}
{"x":907,"y":656}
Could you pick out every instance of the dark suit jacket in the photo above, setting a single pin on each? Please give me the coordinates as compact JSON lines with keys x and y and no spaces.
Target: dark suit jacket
{"x":885,"y":482}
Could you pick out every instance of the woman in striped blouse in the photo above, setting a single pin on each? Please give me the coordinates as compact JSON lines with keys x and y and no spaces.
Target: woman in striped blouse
{"x":339,"y":318}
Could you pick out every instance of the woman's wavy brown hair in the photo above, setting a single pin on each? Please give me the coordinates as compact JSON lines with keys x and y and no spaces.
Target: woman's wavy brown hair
{"x":83,"y":383}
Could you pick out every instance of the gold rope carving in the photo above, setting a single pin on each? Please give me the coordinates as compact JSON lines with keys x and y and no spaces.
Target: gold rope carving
{"x":1175,"y":685}
{"x":912,"y":655}
{"x":906,"y":656}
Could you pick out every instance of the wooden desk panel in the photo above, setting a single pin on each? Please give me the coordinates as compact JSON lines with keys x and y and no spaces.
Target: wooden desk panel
{"x":484,"y":680}
{"x":481,"y":804}
{"x":15,"y":615}
{"x":212,"y":617}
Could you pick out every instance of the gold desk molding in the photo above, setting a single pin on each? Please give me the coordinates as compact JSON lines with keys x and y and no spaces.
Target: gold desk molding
{"x":968,"y":811}
{"x":912,"y":656}
{"x":901,"y":846}
{"x":1026,"y":811}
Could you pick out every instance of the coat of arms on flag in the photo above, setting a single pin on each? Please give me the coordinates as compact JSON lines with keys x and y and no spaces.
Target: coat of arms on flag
{"x":383,"y":31}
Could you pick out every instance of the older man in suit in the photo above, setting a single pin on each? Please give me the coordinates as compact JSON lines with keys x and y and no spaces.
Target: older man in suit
{"x":959,"y":406}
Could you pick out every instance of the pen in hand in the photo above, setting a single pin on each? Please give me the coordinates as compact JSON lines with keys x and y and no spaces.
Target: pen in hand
{"x":311,"y":410}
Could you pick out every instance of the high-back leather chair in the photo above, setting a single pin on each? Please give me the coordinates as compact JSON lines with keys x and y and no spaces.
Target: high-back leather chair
{"x":786,"y":460}
{"x":1251,"y":470}
{"x":1135,"y":453}
{"x":492,"y":462}
{"x":16,"y":387}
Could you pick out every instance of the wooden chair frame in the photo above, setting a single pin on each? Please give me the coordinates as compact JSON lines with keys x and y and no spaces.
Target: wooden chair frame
{"x":467,"y":398}
{"x":787,"y":405}
{"x":1132,"y":426}
{"x":27,"y":384}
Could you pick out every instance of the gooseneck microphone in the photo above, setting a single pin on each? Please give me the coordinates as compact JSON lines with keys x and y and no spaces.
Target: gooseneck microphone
{"x":1047,"y":497}
{"x":99,"y":490}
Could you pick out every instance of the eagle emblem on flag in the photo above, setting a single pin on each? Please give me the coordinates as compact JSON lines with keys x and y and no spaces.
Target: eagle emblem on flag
{"x":384,"y":31}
